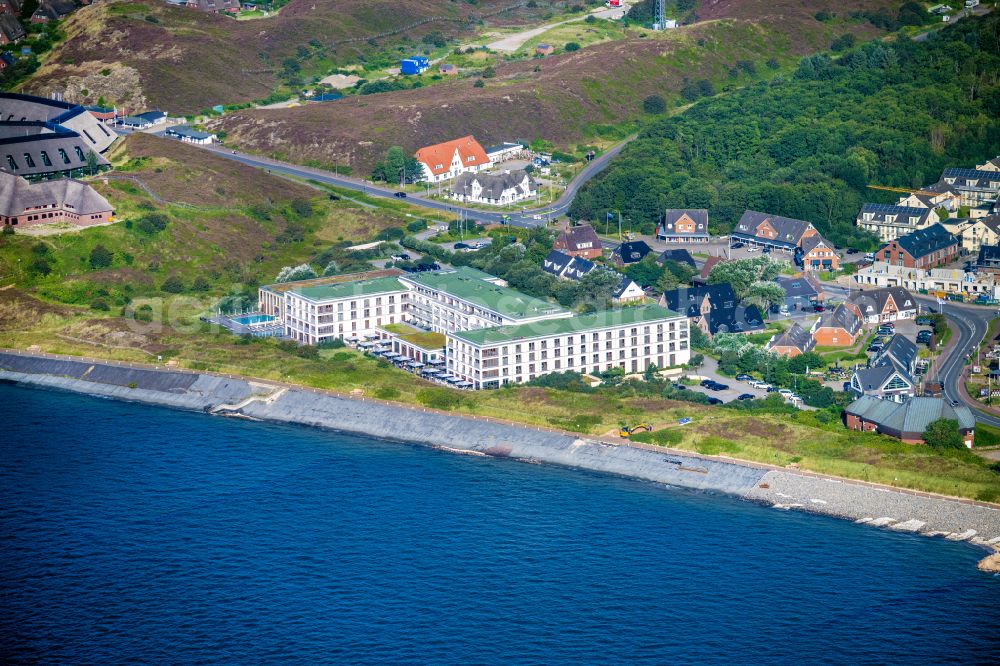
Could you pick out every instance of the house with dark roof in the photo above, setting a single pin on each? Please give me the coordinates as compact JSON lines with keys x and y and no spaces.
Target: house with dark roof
{"x":566,"y":267}
{"x":974,"y":186}
{"x":907,"y":421}
{"x":840,"y":327}
{"x":494,"y":189}
{"x":989,"y":259}
{"x":144,"y":120}
{"x":791,"y":342}
{"x":52,"y":10}
{"x":681,"y":256}
{"x":924,"y":248}
{"x":816,"y":254}
{"x":990,"y":165}
{"x":783,"y":234}
{"x":188,"y":135}
{"x":801,"y":292}
{"x":714,"y":309}
{"x":680,"y":225}
{"x":11,"y":30}
{"x":900,"y":350}
{"x":886,"y":381}
{"x":25,"y":204}
{"x":885,"y":304}
{"x":579,"y":241}
{"x":889,"y":222}
{"x":973,"y":233}
{"x":630,"y":252}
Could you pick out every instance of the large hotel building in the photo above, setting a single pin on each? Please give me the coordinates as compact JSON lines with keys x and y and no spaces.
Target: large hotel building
{"x":492,"y":335}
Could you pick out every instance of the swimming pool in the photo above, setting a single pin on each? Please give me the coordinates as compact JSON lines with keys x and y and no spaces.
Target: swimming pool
{"x":253,"y":319}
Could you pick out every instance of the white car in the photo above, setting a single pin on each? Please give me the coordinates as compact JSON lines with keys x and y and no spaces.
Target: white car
{"x":786,"y":392}
{"x":760,"y":385}
{"x":751,"y":249}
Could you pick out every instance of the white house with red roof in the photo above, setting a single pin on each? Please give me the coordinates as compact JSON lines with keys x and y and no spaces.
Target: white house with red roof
{"x":444,"y":161}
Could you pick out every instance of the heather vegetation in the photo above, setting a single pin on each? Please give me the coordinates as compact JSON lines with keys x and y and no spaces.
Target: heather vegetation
{"x":807,"y":146}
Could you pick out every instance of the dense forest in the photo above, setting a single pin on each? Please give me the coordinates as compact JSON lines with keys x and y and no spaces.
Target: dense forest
{"x":891,"y":113}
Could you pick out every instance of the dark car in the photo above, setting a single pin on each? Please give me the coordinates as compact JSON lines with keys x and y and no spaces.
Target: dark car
{"x":679,"y":387}
{"x":746,"y":396}
{"x":737,"y":245}
{"x":771,"y":389}
{"x":404,"y":256}
{"x":462,"y":246}
{"x":852,"y":250}
{"x":718,"y":387}
{"x":819,"y":307}
{"x":706,"y":382}
{"x":400,"y":195}
{"x":743,"y":378}
{"x":847,"y":386}
{"x":714,"y":401}
{"x":766,"y":250}
{"x":923,"y":321}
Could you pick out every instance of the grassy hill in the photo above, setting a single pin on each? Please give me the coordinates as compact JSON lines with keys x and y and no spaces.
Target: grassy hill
{"x":567,"y":98}
{"x":141,"y":53}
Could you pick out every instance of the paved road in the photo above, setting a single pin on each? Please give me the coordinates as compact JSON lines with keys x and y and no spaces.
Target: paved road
{"x":525,"y":219}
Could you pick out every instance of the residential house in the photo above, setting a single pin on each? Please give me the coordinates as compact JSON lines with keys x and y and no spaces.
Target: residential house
{"x":900,"y":350}
{"x":683,"y":226}
{"x":444,"y":161}
{"x":989,"y":259}
{"x":924,"y":248}
{"x":840,"y":327}
{"x":505,"y":151}
{"x":907,"y":421}
{"x":706,"y":269}
{"x":681,"y":256}
{"x":544,"y":49}
{"x":886,"y":381}
{"x":579,"y":241}
{"x":818,"y":255}
{"x":939,"y":281}
{"x":774,"y":232}
{"x":974,"y":186}
{"x":495,"y":189}
{"x":11,"y":30}
{"x":102,"y":113}
{"x":991,"y":165}
{"x":215,"y":6}
{"x":188,"y":135}
{"x":24,"y":204}
{"x":791,"y":342}
{"x":974,"y":233}
{"x":413,"y":66}
{"x":144,"y":120}
{"x":447,"y":69}
{"x":885,"y":304}
{"x":939,"y":195}
{"x":801,"y":292}
{"x":52,"y":10}
{"x":714,"y":309}
{"x":10,"y":7}
{"x":567,"y":267}
{"x":889,"y":222}
{"x":630,"y":252}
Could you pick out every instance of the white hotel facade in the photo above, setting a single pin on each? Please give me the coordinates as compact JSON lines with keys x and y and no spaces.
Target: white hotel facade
{"x":494,"y":335}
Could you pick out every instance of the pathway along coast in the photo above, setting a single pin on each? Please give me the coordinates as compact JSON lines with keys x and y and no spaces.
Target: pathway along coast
{"x":870,"y":504}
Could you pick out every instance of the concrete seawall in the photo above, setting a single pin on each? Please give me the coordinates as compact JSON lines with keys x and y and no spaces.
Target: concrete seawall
{"x":864,"y":503}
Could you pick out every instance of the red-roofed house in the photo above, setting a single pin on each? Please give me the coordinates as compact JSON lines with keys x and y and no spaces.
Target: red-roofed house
{"x":444,"y":161}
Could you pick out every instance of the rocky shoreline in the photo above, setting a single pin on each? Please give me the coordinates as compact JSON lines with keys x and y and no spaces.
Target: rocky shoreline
{"x":869,"y":504}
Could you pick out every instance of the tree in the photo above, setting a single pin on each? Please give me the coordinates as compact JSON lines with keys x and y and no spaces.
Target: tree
{"x":944,"y":434}
{"x":654,"y":104}
{"x":292,"y":273}
{"x":172,"y":285}
{"x":395,"y":165}
{"x":100,"y":257}
{"x":571,"y":46}
{"x":645,"y":272}
{"x":802,"y":362}
{"x":92,"y":164}
{"x":764,"y":295}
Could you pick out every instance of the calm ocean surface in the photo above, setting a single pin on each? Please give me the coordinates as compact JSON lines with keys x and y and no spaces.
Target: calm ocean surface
{"x":138,"y":534}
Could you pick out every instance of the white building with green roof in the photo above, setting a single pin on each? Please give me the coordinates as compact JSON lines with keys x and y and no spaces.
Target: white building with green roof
{"x":464,"y":299}
{"x":313,"y":314}
{"x":631,"y":338}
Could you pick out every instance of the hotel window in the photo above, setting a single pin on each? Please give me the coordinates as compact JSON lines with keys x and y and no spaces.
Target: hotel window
{"x":45,"y":159}
{"x":11,"y":163}
{"x":79,"y":153}
{"x":29,"y":161}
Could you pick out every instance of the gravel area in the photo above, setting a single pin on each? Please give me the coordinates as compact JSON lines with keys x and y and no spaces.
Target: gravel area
{"x":880,"y":506}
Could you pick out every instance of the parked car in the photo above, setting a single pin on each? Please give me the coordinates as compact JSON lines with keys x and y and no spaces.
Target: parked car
{"x":679,"y":387}
{"x":785,"y":392}
{"x":744,"y":378}
{"x":759,"y":385}
{"x":737,"y":245}
{"x":923,"y":321}
{"x":887,"y":324}
{"x":751,"y":249}
{"x":462,"y":246}
{"x":400,"y":195}
{"x":852,"y":250}
{"x":847,"y":387}
{"x":705,"y":382}
{"x":924,"y":337}
{"x":819,"y":307}
{"x":793,"y":397}
{"x":771,"y":389}
{"x":712,"y":400}
{"x":746,"y":396}
{"x":717,"y":386}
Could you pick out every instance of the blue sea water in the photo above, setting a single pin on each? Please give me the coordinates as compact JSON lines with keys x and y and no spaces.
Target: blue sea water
{"x":133,"y":534}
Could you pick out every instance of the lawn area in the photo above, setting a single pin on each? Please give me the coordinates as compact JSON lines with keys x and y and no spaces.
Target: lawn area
{"x":583,"y":34}
{"x":814,"y":440}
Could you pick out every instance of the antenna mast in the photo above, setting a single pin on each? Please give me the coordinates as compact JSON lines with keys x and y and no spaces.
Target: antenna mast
{"x":659,"y":18}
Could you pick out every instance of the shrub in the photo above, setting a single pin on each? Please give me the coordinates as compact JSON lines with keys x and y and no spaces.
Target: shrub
{"x":40,"y":267}
{"x":172,"y":285}
{"x":416,"y":225}
{"x":478,"y":84}
{"x":654,"y":104}
{"x":152,"y":223}
{"x":944,"y":434}
{"x":100,"y":304}
{"x":292,"y":273}
{"x":100,"y":257}
{"x":387,"y":392}
{"x":571,"y":46}
{"x":302,"y":207}
{"x":440,"y":398}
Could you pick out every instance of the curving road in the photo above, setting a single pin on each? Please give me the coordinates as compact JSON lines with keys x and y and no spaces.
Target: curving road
{"x":531,"y":217}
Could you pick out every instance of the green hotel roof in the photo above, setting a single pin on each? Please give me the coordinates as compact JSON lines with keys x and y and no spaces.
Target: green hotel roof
{"x":596,"y":321}
{"x":415,"y":336}
{"x":350,"y":289}
{"x":469,"y":284}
